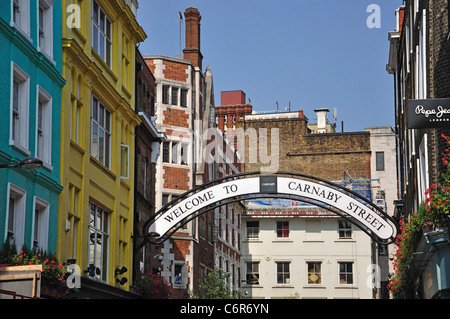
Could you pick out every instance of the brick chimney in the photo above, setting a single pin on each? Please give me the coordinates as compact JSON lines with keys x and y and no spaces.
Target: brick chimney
{"x":192,"y":50}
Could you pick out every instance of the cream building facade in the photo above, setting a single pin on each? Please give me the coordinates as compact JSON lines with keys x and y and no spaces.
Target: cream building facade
{"x":303,"y":252}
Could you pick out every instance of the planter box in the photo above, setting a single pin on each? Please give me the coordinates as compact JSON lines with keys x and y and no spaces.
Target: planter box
{"x":21,"y":280}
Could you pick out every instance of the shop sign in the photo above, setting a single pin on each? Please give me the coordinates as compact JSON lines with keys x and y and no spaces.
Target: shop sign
{"x":431,"y":113}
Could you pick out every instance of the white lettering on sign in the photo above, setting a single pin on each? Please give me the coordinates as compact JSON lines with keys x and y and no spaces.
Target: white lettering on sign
{"x":341,"y":201}
{"x":438,"y":113}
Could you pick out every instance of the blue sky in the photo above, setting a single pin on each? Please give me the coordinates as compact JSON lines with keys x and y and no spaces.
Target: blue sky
{"x":311,"y":54}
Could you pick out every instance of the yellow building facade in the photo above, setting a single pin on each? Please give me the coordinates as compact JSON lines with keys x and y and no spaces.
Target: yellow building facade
{"x":97,"y":138}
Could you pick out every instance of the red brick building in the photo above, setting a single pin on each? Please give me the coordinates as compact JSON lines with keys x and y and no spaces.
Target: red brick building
{"x":185,"y":112}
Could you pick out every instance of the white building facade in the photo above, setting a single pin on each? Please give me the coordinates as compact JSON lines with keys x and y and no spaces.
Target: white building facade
{"x":304,"y":252}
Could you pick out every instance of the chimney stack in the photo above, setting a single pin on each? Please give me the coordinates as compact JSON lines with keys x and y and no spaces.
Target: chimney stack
{"x":192,"y":50}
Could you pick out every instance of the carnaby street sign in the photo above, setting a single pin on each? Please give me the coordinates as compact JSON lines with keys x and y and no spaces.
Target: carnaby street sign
{"x":341,"y":200}
{"x":431,"y":113}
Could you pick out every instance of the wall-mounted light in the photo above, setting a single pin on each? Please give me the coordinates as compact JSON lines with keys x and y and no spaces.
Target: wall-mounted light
{"x":32,"y":164}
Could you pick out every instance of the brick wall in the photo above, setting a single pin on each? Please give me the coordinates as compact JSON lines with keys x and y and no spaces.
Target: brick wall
{"x":175,"y":117}
{"x":176,"y":178}
{"x":321,"y":155}
{"x":175,"y":71}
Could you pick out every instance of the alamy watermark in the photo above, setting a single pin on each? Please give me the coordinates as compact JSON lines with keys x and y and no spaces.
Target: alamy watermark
{"x":74,"y":18}
{"x":374,"y":19}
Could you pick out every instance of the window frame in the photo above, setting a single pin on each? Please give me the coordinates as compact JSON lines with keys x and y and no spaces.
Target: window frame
{"x":251,"y":273}
{"x":379,"y":161}
{"x":254,"y":233}
{"x":23,"y":23}
{"x":282,"y":274}
{"x":95,"y":229}
{"x":41,"y":215}
{"x":97,"y":32}
{"x":124,"y":157}
{"x":47,"y":28}
{"x":18,"y":224}
{"x":44,"y":151}
{"x":312,"y":282}
{"x":107,"y":117}
{"x":344,"y":227}
{"x":346,"y":273}
{"x":280,"y":230}
{"x":19,"y":125}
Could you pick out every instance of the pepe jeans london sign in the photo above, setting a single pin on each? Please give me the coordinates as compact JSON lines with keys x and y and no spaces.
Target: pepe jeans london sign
{"x":271,"y":185}
{"x":432,"y":113}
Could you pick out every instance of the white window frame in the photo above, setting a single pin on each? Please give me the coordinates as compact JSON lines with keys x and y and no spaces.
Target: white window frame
{"x":23,"y":17}
{"x":45,"y":44}
{"x":18,"y":226}
{"x":40,"y":224}
{"x":44,"y":135}
{"x":346,"y":273}
{"x":286,"y":276}
{"x":97,"y":32}
{"x":99,"y":231}
{"x":19,"y":139}
{"x":96,"y":121}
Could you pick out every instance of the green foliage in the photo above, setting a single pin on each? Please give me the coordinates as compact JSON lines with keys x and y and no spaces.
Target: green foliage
{"x":434,"y":213}
{"x":53,"y":272}
{"x":214,"y":287}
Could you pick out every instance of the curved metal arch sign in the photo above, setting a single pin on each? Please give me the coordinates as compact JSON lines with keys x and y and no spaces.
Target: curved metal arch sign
{"x":361,"y":210}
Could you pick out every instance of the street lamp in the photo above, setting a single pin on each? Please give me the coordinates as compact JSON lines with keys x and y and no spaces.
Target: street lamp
{"x":32,"y":164}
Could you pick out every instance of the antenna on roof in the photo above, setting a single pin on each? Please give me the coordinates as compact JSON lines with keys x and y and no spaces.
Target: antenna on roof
{"x":180,"y":15}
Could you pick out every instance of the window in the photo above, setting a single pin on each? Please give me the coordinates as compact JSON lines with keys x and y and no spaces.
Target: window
{"x":314,"y":273}
{"x":123,"y":243}
{"x":44,"y":127}
{"x":252,"y":230}
{"x":166,"y":94}
{"x":345,"y":229}
{"x":184,"y":153}
{"x":41,"y":220}
{"x":252,"y":276}
{"x":76,"y":98}
{"x":73,"y":219}
{"x":174,"y":153}
{"x":124,"y":161}
{"x":20,"y":87}
{"x":380,"y":161}
{"x":283,"y":229}
{"x":100,"y":132}
{"x":45,"y":27}
{"x":98,"y":242}
{"x":179,"y":273}
{"x":166,"y":152}
{"x":184,"y":97}
{"x":174,"y":96}
{"x":346,"y":273}
{"x":283,"y":276}
{"x":125,"y":61}
{"x":20,"y":15}
{"x":101,"y":33}
{"x":16,"y":215}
